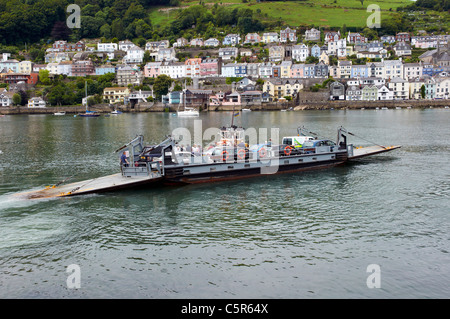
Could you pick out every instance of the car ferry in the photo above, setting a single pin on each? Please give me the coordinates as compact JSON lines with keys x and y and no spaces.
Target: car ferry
{"x":230,"y":158}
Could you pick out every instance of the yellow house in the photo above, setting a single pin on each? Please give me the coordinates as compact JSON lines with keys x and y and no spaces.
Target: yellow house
{"x":115,"y":94}
{"x":25,"y":67}
{"x":279,"y":88}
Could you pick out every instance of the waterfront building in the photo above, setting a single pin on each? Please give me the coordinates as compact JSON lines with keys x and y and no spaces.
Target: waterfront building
{"x":369,"y":93}
{"x":344,"y":69}
{"x":36,"y":102}
{"x":113,"y":95}
{"x":337,"y":48}
{"x":6,"y":98}
{"x":442,"y":87}
{"x":279,"y":88}
{"x":402,"y":48}
{"x":166,"y":54}
{"x":337,"y":90}
{"x":384,"y":93}
{"x":353,"y":93}
{"x":399,"y":87}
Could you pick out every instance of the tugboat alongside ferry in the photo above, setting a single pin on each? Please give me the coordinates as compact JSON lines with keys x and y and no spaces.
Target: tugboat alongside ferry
{"x":231,"y":158}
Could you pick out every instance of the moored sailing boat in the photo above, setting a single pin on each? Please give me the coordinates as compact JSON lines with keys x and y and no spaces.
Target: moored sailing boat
{"x":88,"y":113}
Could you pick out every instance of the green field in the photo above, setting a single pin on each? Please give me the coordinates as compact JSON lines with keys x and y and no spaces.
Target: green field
{"x":324,"y":13}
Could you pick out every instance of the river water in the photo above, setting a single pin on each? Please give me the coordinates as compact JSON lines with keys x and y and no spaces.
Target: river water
{"x":311,"y":235}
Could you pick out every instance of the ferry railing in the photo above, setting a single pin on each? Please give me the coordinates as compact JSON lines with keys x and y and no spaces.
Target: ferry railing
{"x":141,"y":169}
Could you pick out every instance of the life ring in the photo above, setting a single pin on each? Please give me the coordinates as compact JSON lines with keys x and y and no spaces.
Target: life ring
{"x":241,"y":154}
{"x":262,"y":152}
{"x":225,"y":158}
{"x":287,"y":150}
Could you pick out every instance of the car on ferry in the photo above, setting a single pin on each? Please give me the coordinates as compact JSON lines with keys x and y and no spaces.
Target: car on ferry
{"x":318,"y":146}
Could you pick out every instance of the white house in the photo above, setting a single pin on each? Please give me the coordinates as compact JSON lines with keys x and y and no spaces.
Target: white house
{"x":107,"y":47}
{"x":36,"y":102}
{"x":126,"y":45}
{"x":228,"y":70}
{"x":134,"y":55}
{"x":228,"y":53}
{"x":167,"y":54}
{"x":300,"y":52}
{"x":393,"y":68}
{"x":399,"y":87}
{"x":212,"y":42}
{"x":175,"y":70}
{"x":6,"y":98}
{"x":337,"y":48}
{"x":384,"y":93}
{"x":64,"y":67}
{"x":412,"y":70}
{"x":442,"y":88}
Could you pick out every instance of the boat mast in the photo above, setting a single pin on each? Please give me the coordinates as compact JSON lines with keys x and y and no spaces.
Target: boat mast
{"x":85,"y":94}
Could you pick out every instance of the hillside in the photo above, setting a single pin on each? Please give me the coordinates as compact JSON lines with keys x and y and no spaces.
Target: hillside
{"x":324,"y":13}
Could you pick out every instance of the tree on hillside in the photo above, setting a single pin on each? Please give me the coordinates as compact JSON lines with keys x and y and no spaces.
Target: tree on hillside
{"x":161,"y":86}
{"x":422,"y":91}
{"x":16,"y":99}
{"x":60,"y":31}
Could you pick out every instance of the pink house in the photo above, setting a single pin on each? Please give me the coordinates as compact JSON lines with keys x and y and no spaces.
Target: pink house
{"x":152,"y":69}
{"x":252,"y":38}
{"x":297,"y":70}
{"x":210,"y":67}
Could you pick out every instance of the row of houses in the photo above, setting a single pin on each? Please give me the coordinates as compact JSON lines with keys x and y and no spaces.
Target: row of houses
{"x":216,"y":67}
{"x":376,"y":89}
{"x":6,"y":99}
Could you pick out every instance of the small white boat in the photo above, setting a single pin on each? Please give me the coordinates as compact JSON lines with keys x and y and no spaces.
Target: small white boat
{"x":59,"y":113}
{"x":446,"y":107}
{"x":116,"y":112}
{"x":188,"y":112}
{"x":246,"y":110}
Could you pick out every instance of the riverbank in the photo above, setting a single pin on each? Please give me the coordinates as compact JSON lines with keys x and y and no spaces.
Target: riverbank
{"x":159,"y":107}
